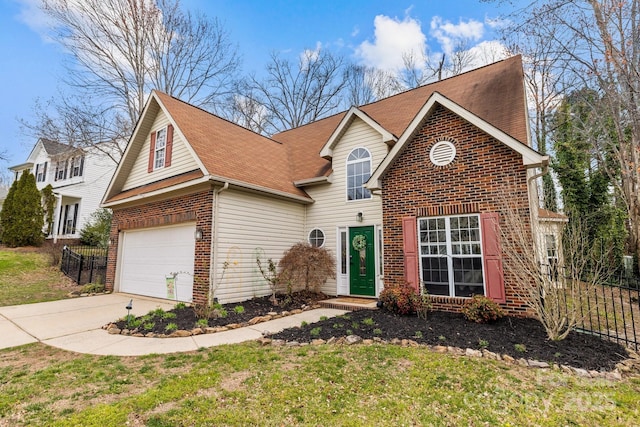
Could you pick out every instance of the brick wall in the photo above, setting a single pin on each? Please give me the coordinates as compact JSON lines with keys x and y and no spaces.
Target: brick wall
{"x":483,"y":170}
{"x":189,"y":208}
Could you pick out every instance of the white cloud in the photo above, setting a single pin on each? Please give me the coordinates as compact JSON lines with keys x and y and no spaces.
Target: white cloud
{"x":392,"y":39}
{"x":32,"y":15}
{"x":449,"y":35}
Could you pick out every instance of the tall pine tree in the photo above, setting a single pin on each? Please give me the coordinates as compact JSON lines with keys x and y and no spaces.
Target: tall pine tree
{"x":22,"y":216}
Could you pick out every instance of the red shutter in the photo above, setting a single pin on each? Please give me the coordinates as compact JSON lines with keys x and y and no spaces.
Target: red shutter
{"x":410,"y":248}
{"x":492,"y":253}
{"x":169,"y":146}
{"x":152,"y":150}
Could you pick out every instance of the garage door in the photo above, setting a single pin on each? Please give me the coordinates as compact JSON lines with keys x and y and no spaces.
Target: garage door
{"x":148,"y":256}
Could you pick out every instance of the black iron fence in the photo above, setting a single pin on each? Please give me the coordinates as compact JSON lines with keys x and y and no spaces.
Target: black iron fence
{"x":84,"y":264}
{"x":609,"y":310}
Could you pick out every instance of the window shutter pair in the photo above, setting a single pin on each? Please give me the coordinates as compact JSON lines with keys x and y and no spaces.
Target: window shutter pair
{"x":491,"y":250}
{"x":167,"y":150}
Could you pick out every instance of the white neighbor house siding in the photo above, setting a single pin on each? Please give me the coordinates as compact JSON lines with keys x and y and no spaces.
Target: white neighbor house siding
{"x":250,"y":225}
{"x":85,"y":190}
{"x":181,"y":158}
{"x":331,"y":208}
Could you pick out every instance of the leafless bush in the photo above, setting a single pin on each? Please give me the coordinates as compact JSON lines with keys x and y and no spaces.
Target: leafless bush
{"x":555,"y":293}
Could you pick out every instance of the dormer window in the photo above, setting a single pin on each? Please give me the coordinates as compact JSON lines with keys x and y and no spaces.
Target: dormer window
{"x":358,"y":172}
{"x":160,"y":149}
{"x":41,"y":172}
{"x":77,"y":164}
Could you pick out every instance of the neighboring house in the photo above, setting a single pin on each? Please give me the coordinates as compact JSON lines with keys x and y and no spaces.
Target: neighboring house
{"x":79,"y":177}
{"x":405,"y":189}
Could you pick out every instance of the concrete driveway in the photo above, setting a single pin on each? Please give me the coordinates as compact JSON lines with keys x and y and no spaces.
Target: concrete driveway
{"x":76,"y":325}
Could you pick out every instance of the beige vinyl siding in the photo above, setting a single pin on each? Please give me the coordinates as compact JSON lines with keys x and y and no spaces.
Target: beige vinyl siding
{"x":181,"y":158}
{"x":331,"y":208}
{"x":251,"y":225}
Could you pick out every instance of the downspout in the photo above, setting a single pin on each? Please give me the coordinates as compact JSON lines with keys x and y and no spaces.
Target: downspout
{"x":214,"y":242}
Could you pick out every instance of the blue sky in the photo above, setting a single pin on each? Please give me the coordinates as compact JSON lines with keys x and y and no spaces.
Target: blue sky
{"x":371,"y":32}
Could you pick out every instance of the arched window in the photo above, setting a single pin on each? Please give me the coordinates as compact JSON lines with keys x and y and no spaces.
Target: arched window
{"x":358,"y":172}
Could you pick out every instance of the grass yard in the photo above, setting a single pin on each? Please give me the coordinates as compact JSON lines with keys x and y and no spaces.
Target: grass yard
{"x":27,"y":277}
{"x":247,"y":384}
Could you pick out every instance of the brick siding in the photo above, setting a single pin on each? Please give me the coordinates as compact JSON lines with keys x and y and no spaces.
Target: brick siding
{"x":188,"y":208}
{"x":484,"y":169}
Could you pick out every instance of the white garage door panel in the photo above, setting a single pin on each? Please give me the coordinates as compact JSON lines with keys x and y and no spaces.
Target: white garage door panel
{"x":150,"y":255}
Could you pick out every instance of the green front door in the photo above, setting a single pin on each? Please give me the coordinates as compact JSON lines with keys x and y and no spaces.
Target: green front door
{"x":362,"y":267}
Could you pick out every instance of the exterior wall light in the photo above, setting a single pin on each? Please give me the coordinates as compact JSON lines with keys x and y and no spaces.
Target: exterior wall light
{"x":198,"y":234}
{"x":359,"y":216}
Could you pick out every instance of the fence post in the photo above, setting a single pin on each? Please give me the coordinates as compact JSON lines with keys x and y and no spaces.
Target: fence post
{"x":80,"y":270}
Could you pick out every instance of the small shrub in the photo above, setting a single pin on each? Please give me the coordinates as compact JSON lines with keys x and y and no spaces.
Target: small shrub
{"x":368,"y":321}
{"x":238,"y":309}
{"x":323,"y":317}
{"x":481,"y":309}
{"x":304,"y":323}
{"x":169,"y":315}
{"x":315,"y":332}
{"x":349,"y":332}
{"x":134,"y":324}
{"x":148,"y":326}
{"x":483,"y":343}
{"x":128,"y":319}
{"x":307,"y":266}
{"x":222,"y":312}
{"x":355,"y":325}
{"x":377,"y":331}
{"x":202,"y":323}
{"x":442,"y":338}
{"x":520,"y":348}
{"x":157,"y":312}
{"x":92,"y":288}
{"x":418,"y":334}
{"x":400,"y":299}
{"x":180,"y":306}
{"x":171,"y":327}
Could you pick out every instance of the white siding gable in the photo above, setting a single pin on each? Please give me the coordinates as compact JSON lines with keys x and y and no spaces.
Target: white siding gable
{"x":181,"y":158}
{"x":331,"y":208}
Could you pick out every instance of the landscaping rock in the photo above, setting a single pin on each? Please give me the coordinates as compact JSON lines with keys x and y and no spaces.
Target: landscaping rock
{"x":318,"y":342}
{"x":538,"y":364}
{"x":353,"y":339}
{"x":259,"y":319}
{"x":583,"y":373}
{"x":472,"y":353}
{"x":508,"y":358}
{"x":265,"y":341}
{"x":293,"y":344}
{"x":440,"y":349}
{"x":180,"y":333}
{"x":277,"y":343}
{"x":113,"y":330}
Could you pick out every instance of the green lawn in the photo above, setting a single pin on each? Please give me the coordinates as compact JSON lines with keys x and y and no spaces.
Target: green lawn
{"x":27,"y":277}
{"x":247,"y":384}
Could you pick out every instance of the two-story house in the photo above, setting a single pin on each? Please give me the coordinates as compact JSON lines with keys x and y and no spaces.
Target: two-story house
{"x":405,"y":189}
{"x":79,"y":177}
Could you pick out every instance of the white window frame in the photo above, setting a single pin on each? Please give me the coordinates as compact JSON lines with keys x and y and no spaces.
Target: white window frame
{"x":76,"y":166}
{"x":41,"y":177}
{"x":449,"y":255}
{"x":366,"y":193}
{"x":160,"y":149}
{"x":313,"y":240}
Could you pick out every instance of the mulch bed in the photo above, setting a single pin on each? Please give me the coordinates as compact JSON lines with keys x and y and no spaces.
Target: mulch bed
{"x":516,"y":337}
{"x":186,"y":317}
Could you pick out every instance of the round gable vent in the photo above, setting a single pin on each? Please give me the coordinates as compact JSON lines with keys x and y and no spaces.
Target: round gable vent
{"x":442,"y":153}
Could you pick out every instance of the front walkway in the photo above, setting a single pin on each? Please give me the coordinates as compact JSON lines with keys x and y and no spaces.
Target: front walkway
{"x":76,"y":325}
